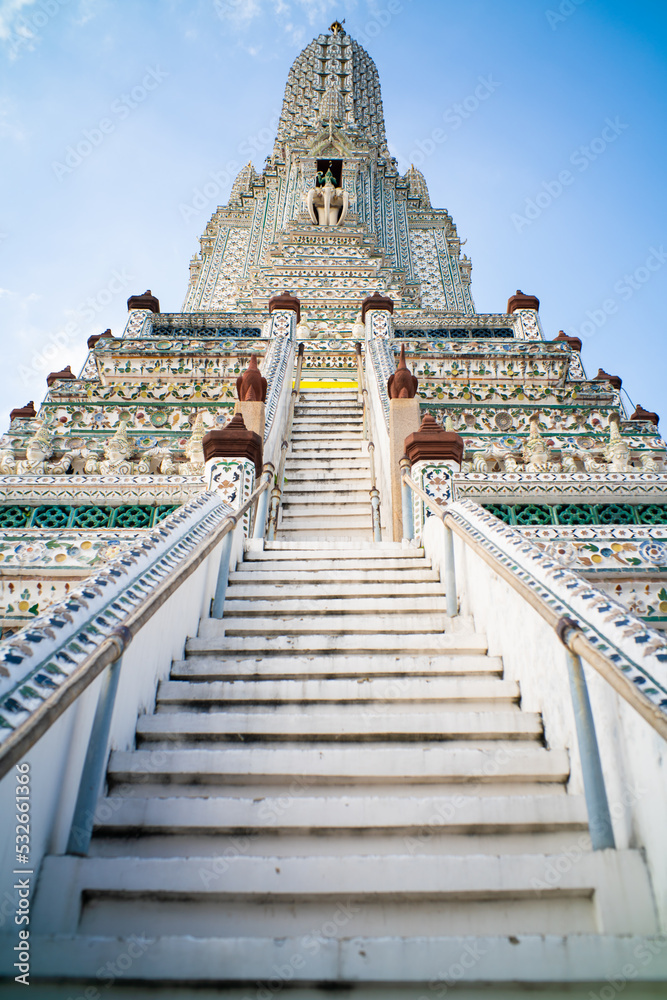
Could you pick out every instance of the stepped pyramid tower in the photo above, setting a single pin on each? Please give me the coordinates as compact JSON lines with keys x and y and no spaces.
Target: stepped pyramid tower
{"x":333,"y":614}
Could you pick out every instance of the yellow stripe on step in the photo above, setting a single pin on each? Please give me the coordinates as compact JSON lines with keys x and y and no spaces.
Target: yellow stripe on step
{"x":316,"y":384}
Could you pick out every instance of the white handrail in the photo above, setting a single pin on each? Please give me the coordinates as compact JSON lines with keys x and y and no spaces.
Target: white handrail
{"x":605,"y":634}
{"x":49,"y":663}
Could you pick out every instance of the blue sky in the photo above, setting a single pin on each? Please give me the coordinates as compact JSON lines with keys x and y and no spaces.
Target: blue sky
{"x":539,"y":125}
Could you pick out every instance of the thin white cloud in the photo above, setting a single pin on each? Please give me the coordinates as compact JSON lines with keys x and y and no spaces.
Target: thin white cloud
{"x":87,"y":10}
{"x":9,"y":14}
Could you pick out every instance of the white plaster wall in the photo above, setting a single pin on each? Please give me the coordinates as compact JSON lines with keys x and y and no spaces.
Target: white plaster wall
{"x":633,"y":755}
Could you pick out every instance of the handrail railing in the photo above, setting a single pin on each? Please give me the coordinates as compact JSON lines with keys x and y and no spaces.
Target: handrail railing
{"x":276,"y":492}
{"x":107,"y":627}
{"x":539,"y":581}
{"x":374,"y":493}
{"x":572,"y":634}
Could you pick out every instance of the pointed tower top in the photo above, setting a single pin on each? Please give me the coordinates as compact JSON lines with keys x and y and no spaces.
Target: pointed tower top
{"x":337,"y":27}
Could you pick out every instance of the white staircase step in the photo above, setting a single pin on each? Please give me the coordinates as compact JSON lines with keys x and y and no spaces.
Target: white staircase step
{"x":214,"y":639}
{"x":538,"y":965}
{"x":281,"y":628}
{"x":542,"y":965}
{"x":355,"y":725}
{"x":371,"y":549}
{"x":605,"y":890}
{"x":335,"y":456}
{"x":359,"y":691}
{"x":327,"y":490}
{"x":385,"y":814}
{"x":363,"y":588}
{"x":315,"y":474}
{"x":273,"y":580}
{"x":241,"y":664}
{"x":235,"y":607}
{"x":337,"y":447}
{"x":328,"y":431}
{"x":296,"y":508}
{"x":328,"y":526}
{"x":364,"y":765}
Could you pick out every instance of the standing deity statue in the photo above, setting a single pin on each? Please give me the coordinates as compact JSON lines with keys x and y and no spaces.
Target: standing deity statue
{"x":617,"y":451}
{"x":117,"y":453}
{"x":194,"y":450}
{"x":38,"y":449}
{"x":535,"y":451}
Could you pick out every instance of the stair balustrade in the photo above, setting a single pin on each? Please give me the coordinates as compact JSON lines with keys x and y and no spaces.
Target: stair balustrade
{"x":276,"y":492}
{"x":151,"y":596}
{"x":374,"y":492}
{"x":603,"y":633}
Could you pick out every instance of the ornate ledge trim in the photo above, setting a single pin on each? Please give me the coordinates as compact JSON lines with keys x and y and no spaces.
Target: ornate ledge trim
{"x":638,"y":651}
{"x":547,"y":487}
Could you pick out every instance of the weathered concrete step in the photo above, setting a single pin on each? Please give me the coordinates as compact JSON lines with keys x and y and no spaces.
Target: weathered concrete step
{"x":332,"y":489}
{"x":354,"y":454}
{"x":310,"y":474}
{"x":326,"y":430}
{"x":325,"y":525}
{"x":281,"y":627}
{"x":345,"y":424}
{"x":272,"y":579}
{"x":241,"y":665}
{"x":329,"y":397}
{"x":370,"y":547}
{"x":347,"y":534}
{"x":281,"y":591}
{"x":332,"y":814}
{"x":307,"y":406}
{"x":321,"y":726}
{"x":344,"y":765}
{"x":334,"y":456}
{"x":293,"y":507}
{"x":325,"y":493}
{"x":336,"y":446}
{"x":611,"y":887}
{"x":542,"y":967}
{"x":213,"y":639}
{"x":306,"y":606}
{"x":322,"y":562}
{"x":406,"y":691}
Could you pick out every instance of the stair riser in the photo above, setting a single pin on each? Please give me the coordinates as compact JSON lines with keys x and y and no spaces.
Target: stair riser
{"x":118,"y":841}
{"x":228,"y":918}
{"x":281,"y":591}
{"x":236,"y":665}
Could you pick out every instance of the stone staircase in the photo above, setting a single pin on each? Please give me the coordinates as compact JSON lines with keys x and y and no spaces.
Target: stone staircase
{"x":338,"y":784}
{"x":327,"y":470}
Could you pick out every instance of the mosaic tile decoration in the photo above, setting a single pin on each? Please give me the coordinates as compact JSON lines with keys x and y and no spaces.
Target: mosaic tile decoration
{"x":40,"y":657}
